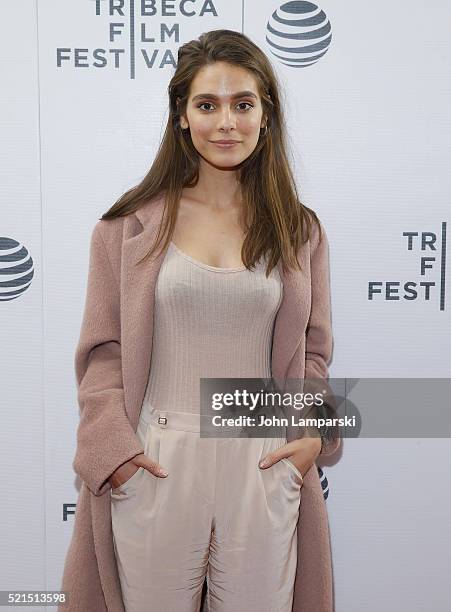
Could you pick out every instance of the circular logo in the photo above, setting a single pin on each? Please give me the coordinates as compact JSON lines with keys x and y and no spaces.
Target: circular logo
{"x":324,"y":482}
{"x":298,"y":34}
{"x":16,"y":269}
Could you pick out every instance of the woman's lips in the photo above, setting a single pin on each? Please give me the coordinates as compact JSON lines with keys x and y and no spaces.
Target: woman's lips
{"x":225,"y":145}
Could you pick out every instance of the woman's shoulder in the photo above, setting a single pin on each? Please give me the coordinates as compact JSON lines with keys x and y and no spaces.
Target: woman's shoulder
{"x":109,"y":226}
{"x":110,"y":230}
{"x":317,"y":233}
{"x":107,"y":235}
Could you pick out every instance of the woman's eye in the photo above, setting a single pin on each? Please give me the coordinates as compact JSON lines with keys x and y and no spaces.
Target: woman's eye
{"x":209,"y":103}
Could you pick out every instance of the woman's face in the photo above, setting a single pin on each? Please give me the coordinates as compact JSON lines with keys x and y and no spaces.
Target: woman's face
{"x":224,"y":104}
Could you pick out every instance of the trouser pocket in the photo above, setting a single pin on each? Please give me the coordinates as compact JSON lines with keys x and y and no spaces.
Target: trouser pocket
{"x":295,"y":473}
{"x":150,"y":437}
{"x":282,"y":481}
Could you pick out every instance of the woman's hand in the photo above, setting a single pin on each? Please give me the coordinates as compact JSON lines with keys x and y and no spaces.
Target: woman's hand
{"x":302,"y":453}
{"x":125,"y":471}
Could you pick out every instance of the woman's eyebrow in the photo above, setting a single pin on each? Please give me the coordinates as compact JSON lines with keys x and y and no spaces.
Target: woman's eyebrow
{"x":240,"y":94}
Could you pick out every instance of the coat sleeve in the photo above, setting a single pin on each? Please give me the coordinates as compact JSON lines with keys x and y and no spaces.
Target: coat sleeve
{"x":105,"y":437}
{"x":319,"y":328}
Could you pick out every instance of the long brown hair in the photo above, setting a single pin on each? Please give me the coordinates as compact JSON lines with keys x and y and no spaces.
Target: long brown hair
{"x":276,"y":222}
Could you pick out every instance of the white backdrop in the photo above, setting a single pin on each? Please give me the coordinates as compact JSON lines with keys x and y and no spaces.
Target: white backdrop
{"x":83,"y":108}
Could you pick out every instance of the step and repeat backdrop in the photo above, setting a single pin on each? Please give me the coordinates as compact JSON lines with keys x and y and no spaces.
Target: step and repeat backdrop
{"x":367,"y":93}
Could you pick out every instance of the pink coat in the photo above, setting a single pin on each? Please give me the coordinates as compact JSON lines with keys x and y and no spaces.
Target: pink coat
{"x":112,"y":362}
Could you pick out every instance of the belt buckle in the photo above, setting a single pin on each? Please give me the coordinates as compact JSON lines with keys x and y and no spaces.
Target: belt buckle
{"x":162,"y":420}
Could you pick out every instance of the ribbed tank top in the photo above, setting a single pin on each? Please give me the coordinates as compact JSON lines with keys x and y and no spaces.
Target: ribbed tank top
{"x":208,"y":322}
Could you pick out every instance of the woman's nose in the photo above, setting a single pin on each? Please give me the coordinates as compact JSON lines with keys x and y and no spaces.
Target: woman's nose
{"x":227,"y":120}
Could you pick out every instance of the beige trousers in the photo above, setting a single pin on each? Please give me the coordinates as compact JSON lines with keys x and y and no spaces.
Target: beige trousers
{"x":216,"y":515}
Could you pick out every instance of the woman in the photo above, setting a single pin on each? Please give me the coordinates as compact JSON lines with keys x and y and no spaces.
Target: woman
{"x":239,"y":288}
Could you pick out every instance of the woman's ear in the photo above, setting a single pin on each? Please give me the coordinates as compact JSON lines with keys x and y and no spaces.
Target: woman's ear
{"x":183,"y":121}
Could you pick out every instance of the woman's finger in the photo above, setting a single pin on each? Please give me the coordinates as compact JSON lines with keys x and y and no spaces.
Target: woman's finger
{"x":283,"y":452}
{"x":150,"y":465}
{"x":274,"y":456}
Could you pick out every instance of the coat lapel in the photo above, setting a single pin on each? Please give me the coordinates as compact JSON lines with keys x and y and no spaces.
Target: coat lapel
{"x":137,"y":307}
